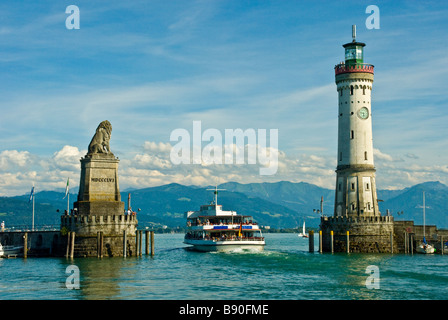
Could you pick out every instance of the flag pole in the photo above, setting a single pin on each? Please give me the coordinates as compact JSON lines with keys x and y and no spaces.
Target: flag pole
{"x":67,"y":194}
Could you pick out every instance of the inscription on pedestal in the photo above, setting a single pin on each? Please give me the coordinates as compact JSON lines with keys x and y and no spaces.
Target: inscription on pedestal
{"x":102,"y":179}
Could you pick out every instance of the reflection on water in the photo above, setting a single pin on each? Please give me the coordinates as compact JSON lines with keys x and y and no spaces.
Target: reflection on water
{"x":100,"y":278}
{"x":284,"y":270}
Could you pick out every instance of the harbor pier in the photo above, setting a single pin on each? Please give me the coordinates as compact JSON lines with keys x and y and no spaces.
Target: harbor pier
{"x":38,"y":243}
{"x":378,"y":235}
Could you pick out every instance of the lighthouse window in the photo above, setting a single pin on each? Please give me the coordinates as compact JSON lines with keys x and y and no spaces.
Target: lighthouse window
{"x":353,"y":186}
{"x":339,"y":186}
{"x":364,"y":91}
{"x":351,"y":90}
{"x":341,"y":92}
{"x":365,"y":155}
{"x":340,"y":156}
{"x":367,"y":186}
{"x":352,"y":134}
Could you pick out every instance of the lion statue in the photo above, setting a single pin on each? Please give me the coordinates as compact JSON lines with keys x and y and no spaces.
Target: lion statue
{"x":100,"y":141}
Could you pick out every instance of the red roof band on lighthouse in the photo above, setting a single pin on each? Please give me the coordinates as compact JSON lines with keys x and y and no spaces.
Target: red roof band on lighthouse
{"x":343,"y":68}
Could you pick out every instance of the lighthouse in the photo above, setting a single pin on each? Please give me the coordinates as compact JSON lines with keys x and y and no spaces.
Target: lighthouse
{"x":357,"y":224}
{"x":355,"y":182}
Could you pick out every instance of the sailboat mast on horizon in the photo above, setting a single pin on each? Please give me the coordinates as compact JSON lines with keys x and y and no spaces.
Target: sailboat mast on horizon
{"x":424,"y":247}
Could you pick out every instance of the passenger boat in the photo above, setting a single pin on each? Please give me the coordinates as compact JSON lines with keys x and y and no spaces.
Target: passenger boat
{"x":213,"y":229}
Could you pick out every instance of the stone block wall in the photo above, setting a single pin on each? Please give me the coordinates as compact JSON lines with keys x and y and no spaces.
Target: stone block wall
{"x":366,"y":235}
{"x":39,"y":243}
{"x":88,"y":246}
{"x":88,"y":227}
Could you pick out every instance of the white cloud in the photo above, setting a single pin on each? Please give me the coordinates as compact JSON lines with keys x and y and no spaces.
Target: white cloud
{"x":157,"y":147}
{"x":20,"y":170}
{"x":13,"y":158}
{"x":382,"y":156}
{"x":153,"y":168}
{"x":150,"y":161}
{"x":68,"y":158}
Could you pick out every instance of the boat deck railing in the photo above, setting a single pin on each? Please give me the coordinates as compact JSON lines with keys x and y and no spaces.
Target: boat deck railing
{"x":207,"y":223}
{"x":29,"y":228}
{"x":215,"y":239}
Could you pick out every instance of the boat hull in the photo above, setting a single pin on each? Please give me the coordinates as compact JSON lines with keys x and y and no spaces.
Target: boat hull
{"x":425,"y":249}
{"x":225,"y":246}
{"x":6,"y":251}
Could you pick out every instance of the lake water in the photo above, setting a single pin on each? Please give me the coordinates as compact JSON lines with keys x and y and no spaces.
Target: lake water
{"x":284,"y":271}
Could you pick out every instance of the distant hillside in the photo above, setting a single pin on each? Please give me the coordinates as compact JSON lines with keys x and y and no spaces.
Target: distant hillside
{"x":301,"y":197}
{"x":167,"y":204}
{"x":410,"y":201}
{"x":279,"y":205}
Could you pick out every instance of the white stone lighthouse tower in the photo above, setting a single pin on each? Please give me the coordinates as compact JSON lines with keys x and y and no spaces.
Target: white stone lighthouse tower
{"x":357,"y":225}
{"x":355,"y":182}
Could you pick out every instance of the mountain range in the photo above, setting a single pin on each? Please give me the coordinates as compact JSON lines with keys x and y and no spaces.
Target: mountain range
{"x":278,"y":205}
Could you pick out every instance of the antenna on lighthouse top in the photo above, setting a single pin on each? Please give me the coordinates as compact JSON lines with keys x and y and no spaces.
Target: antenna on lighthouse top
{"x":354,"y":32}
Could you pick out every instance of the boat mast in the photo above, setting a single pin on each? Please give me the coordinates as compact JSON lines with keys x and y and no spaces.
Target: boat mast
{"x":423,"y":214}
{"x":322,"y":205}
{"x":32,"y":222}
{"x":216,"y":195}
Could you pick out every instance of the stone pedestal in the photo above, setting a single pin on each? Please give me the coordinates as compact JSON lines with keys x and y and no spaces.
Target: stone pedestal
{"x":99,"y":193}
{"x":99,"y":212}
{"x":99,"y":178}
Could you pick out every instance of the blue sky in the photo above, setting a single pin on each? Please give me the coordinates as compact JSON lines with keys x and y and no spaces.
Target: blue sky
{"x":150,"y":67}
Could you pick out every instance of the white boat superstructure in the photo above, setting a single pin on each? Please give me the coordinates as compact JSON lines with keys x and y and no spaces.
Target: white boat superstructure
{"x":7,"y":251}
{"x":214,"y":229}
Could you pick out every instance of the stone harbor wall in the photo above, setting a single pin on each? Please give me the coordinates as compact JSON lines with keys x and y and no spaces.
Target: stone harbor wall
{"x":365,"y":235}
{"x":39,"y":243}
{"x":90,"y":229}
{"x":377,"y":235}
{"x":86,"y":225}
{"x":408,"y":236}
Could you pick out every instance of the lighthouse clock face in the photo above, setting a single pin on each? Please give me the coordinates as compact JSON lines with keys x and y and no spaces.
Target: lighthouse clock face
{"x":363,"y":113}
